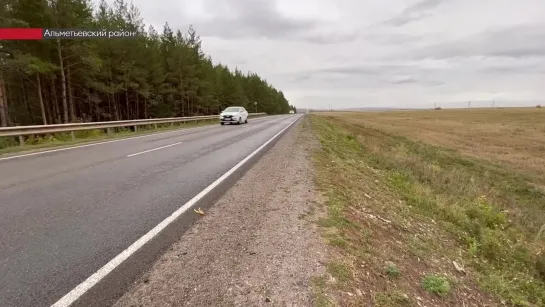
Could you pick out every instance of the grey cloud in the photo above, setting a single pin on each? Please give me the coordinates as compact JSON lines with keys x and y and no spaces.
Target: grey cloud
{"x":413,"y":80}
{"x":384,"y":62}
{"x":514,"y":70}
{"x":393,"y":38}
{"x":435,"y":83}
{"x":518,"y":68}
{"x":513,"y":42}
{"x":406,"y":18}
{"x":404,"y":81}
{"x":300,"y":78}
{"x":417,"y":11}
{"x":331,"y":38}
{"x":369,"y":77}
{"x":391,"y":69}
{"x":316,"y":81}
{"x":249,"y":19}
{"x":424,"y":5}
{"x":347,"y":70}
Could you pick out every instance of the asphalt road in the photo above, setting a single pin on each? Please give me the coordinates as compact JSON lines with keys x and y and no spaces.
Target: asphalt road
{"x":65,"y":214}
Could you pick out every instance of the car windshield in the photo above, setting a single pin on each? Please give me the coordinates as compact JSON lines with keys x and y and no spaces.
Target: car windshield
{"x":232,"y":110}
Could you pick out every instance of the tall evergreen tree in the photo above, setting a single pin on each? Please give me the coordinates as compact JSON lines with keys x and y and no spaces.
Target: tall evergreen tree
{"x":157,"y":74}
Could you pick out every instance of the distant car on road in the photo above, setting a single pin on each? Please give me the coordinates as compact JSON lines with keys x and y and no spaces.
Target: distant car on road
{"x":234,"y":115}
{"x":291,"y":112}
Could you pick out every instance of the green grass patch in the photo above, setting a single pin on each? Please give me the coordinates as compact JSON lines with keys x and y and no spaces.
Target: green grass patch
{"x":319,"y":292}
{"x":436,"y":284}
{"x":393,"y":298}
{"x":491,"y":211}
{"x":340,"y":271}
{"x":392,"y":270}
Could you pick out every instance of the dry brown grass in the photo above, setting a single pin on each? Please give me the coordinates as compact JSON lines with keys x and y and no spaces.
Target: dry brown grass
{"x":509,"y":135}
{"x":411,"y":192}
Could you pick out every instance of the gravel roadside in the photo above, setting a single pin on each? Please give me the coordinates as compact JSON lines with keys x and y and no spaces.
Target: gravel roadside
{"x":255,"y":247}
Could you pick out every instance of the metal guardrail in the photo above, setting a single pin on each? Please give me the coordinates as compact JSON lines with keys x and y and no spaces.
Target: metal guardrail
{"x":21,"y":131}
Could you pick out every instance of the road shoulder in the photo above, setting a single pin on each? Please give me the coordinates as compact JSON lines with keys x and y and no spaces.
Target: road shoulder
{"x":257,"y":246}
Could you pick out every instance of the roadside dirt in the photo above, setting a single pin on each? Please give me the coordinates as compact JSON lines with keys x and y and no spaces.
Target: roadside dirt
{"x":256,"y":247}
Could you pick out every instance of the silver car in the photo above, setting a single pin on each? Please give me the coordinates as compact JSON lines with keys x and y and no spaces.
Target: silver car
{"x":234,"y":115}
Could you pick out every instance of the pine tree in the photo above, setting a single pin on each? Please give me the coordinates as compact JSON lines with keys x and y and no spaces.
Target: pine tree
{"x":152,"y":75}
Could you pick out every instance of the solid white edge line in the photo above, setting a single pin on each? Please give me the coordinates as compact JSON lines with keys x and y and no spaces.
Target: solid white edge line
{"x":107,"y":142}
{"x":154,"y":149}
{"x":92,"y":280}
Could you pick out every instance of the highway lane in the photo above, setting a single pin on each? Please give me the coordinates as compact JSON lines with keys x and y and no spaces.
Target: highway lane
{"x":65,"y":214}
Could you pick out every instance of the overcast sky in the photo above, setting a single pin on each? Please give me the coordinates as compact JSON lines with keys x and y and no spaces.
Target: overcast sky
{"x":374,"y":53}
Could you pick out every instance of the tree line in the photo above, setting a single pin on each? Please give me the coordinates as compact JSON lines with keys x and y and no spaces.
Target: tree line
{"x":156,"y":74}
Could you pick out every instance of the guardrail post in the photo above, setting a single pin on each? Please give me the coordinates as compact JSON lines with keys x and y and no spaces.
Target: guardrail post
{"x":109,"y":127}
{"x":155,"y":126}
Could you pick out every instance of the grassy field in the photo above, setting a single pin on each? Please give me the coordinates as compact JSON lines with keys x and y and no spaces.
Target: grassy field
{"x":433,"y":208}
